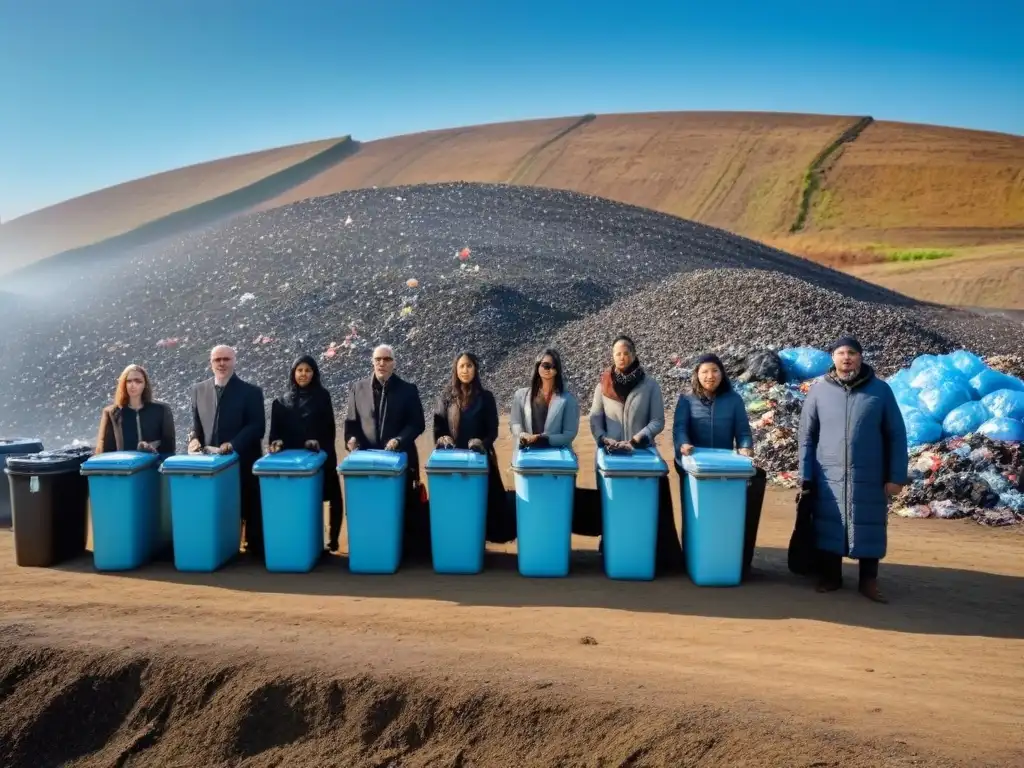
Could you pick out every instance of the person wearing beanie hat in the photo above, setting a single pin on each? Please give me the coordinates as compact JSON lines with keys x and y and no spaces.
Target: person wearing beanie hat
{"x":853,"y":460}
{"x":713,"y":415}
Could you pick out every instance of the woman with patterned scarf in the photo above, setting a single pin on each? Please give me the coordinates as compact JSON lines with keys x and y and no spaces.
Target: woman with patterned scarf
{"x":628,"y":412}
{"x":303,"y":417}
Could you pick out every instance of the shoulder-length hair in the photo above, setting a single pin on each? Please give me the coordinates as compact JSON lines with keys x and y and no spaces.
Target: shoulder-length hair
{"x":461,"y":395}
{"x":121,"y":398}
{"x":535,"y":380}
{"x":698,"y":389}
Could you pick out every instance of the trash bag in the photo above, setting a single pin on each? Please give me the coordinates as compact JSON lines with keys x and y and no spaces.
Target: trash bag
{"x":901,"y":378}
{"x":989,"y":381}
{"x":1001,"y":428}
{"x":907,"y":398}
{"x":939,"y":400}
{"x":935,"y":375}
{"x":965,"y":419}
{"x":1008,"y":403}
{"x":921,"y":428}
{"x":966,"y":362}
{"x":921,"y":362}
{"x":803,"y":363}
{"x":764,"y":365}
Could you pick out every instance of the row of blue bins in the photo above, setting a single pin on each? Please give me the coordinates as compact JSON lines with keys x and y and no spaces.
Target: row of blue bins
{"x":202,"y":519}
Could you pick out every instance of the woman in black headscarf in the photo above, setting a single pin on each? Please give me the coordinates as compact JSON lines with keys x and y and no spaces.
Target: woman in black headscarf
{"x":466,"y":416}
{"x":303,"y":417}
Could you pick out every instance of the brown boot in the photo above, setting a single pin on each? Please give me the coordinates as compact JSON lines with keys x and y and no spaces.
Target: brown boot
{"x":869,"y":588}
{"x":828,"y":585}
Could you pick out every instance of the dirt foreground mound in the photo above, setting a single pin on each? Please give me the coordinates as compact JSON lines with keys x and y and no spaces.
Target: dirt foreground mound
{"x":87,"y":707}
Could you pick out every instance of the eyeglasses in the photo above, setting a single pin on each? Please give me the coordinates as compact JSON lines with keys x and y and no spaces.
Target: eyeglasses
{"x":549,"y":366}
{"x":383,"y":359}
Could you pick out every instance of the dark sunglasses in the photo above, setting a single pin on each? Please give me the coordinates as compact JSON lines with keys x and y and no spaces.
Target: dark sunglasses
{"x":549,"y":366}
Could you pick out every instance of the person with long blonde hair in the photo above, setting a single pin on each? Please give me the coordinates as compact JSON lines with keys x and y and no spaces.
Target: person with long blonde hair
{"x":136,"y":422}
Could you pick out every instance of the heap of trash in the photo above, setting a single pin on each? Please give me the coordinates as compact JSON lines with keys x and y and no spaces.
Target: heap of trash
{"x":964,"y":419}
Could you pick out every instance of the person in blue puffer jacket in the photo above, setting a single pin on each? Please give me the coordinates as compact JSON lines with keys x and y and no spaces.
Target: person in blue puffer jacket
{"x":713,"y":415}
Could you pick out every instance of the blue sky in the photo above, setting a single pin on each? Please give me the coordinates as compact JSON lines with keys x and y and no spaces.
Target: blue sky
{"x":95,"y":92}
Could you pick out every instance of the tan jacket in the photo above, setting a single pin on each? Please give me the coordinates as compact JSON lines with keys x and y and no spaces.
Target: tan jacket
{"x":160,"y":434}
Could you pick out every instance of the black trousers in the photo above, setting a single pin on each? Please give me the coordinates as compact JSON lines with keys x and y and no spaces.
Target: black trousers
{"x":832,"y":567}
{"x":336,"y":508}
{"x":252,"y":511}
{"x":756,"y":487}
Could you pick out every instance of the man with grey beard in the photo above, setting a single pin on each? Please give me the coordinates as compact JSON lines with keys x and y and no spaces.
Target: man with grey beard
{"x":853,"y":460}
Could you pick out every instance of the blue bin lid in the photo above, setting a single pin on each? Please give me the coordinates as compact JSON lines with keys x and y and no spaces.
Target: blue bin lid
{"x":642,"y":461}
{"x":545,"y":461}
{"x":119,"y":463}
{"x":198,"y":463}
{"x":290,"y":462}
{"x":717,"y":462}
{"x":371,"y":461}
{"x":450,"y":460}
{"x":20,"y":445}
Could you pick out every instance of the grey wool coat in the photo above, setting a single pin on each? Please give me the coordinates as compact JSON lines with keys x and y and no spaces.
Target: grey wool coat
{"x":643,"y":412}
{"x":561,"y":425}
{"x":852,"y":442}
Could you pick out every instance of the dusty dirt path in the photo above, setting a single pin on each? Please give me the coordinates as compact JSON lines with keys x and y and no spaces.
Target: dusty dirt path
{"x":245,"y":667}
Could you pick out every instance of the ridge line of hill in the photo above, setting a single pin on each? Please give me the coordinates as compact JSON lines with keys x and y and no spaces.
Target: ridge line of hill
{"x":526,"y":161}
{"x":201,"y":214}
{"x":815,"y":171}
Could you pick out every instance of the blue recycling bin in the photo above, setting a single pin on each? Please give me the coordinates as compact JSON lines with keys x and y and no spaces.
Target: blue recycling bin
{"x":124,"y":493}
{"x":292,"y":488}
{"x":206,"y":509}
{"x":715,"y":505}
{"x":457,"y":481}
{"x":545,"y":480}
{"x":375,"y":505}
{"x":629,"y":510}
{"x":164,"y":534}
{"x":17,"y":446}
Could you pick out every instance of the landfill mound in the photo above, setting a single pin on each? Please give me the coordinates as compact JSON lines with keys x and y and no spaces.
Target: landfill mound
{"x":91,"y":708}
{"x":430,"y":269}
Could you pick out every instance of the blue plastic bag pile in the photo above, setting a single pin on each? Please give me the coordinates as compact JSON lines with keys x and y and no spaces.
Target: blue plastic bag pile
{"x":955,"y":395}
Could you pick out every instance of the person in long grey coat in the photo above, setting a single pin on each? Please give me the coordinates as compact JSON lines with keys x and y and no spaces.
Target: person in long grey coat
{"x":853,"y":459}
{"x":628,"y":412}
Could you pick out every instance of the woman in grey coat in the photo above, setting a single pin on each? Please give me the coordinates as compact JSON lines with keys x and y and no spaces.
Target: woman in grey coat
{"x":628,"y":412}
{"x":545,"y":413}
{"x":853,"y":459}
{"x":713,"y":415}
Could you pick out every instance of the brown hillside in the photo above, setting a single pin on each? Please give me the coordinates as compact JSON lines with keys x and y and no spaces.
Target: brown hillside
{"x":740,"y":171}
{"x":115,"y":210}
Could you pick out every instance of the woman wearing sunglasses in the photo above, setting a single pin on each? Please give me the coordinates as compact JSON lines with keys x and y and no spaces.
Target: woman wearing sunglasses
{"x":545,"y":413}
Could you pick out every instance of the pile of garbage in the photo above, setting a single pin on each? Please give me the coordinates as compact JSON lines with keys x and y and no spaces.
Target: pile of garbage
{"x":961,"y":477}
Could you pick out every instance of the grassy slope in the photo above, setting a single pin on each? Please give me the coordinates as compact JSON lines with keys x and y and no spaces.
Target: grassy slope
{"x":115,"y":210}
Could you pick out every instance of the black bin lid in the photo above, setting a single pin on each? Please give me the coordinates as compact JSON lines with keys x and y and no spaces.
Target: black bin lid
{"x":69,"y":459}
{"x":20,"y":445}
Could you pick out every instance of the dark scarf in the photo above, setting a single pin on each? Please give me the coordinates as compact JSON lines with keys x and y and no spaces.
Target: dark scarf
{"x":303,"y":400}
{"x":622,"y":383}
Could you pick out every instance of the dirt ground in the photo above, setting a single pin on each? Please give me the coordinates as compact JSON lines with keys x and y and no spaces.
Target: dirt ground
{"x":242,"y":667}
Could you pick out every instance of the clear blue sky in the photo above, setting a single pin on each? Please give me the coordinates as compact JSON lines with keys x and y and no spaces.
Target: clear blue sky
{"x":101,"y":91}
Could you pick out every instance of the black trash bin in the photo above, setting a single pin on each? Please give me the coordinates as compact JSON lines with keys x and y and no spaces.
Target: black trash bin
{"x":18,"y":446}
{"x":49,"y":505}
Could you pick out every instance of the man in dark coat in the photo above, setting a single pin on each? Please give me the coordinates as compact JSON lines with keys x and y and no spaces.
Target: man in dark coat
{"x":228,"y":415}
{"x":853,"y":460}
{"x":385,"y":413}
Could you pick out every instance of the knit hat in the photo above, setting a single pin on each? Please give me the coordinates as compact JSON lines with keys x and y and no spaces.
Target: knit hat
{"x":846,"y":341}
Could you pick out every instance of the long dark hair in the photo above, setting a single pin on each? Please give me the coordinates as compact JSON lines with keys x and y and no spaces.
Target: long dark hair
{"x":698,"y":388}
{"x":535,"y":380}
{"x":462,"y":395}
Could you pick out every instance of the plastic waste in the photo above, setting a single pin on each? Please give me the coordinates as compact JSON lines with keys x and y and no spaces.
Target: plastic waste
{"x":989,"y":381}
{"x":923,"y":361}
{"x":764,"y":365}
{"x":802,"y":363}
{"x":934,"y":375}
{"x":1001,"y":428}
{"x":966,"y":362}
{"x":965,"y":419}
{"x":937,"y":401}
{"x":921,"y":428}
{"x":1008,"y":403}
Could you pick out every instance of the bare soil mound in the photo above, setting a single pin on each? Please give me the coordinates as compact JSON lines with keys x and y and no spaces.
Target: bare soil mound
{"x":61,"y":707}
